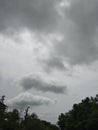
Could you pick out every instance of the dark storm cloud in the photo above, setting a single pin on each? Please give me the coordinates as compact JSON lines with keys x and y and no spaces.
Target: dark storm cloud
{"x":78,"y":25}
{"x":80,"y":30}
{"x":39,"y":15}
{"x":27,"y":99}
{"x":40,"y":85}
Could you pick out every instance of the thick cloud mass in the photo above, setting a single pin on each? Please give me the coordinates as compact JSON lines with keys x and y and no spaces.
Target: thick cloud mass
{"x":78,"y":25}
{"x":27,"y":99}
{"x":80,"y":30}
{"x":40,"y":85}
{"x":39,"y":15}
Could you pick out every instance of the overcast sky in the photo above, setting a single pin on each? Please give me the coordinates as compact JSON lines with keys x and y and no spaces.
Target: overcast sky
{"x":48,"y":54}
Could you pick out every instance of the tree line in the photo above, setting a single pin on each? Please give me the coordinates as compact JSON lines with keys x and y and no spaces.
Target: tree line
{"x":82,"y":116}
{"x":13,"y":121}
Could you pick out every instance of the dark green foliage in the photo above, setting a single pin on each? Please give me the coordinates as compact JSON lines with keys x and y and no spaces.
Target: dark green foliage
{"x":12,"y":121}
{"x":37,"y":124}
{"x":83,"y":116}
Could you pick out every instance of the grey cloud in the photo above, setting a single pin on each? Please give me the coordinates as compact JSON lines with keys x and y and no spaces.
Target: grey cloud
{"x":27,"y":99}
{"x":80,"y":30}
{"x":40,"y":85}
{"x":38,"y":15}
{"x":53,"y":63}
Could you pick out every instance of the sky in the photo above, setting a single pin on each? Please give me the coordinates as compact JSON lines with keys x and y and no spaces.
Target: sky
{"x":48,"y":54}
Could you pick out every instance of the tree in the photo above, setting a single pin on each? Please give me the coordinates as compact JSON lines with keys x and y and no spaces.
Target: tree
{"x":83,"y":116}
{"x":13,"y":121}
{"x":2,"y":111}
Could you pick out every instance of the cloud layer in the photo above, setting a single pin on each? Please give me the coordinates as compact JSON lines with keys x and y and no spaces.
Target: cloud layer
{"x":53,"y":39}
{"x":78,"y":24}
{"x":40,"y":85}
{"x":27,"y":99}
{"x":80,"y":30}
{"x":38,"y":15}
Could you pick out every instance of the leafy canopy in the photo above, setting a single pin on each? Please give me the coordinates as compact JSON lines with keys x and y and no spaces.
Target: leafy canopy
{"x":83,"y":116}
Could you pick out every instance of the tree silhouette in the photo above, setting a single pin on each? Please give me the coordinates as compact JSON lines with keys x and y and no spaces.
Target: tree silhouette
{"x":83,"y":116}
{"x":12,"y":120}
